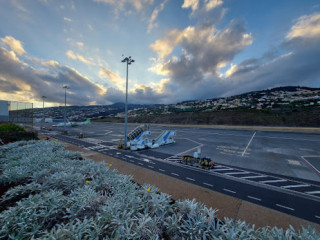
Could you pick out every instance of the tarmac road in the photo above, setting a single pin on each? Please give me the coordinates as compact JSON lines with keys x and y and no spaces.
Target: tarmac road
{"x":273,"y":169}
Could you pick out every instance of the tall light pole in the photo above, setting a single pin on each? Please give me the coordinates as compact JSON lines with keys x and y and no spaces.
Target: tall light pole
{"x":43,"y":97}
{"x":65,"y":106}
{"x":128,"y":60}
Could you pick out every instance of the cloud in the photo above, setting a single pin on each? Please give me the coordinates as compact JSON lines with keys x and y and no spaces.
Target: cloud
{"x":154,"y":16}
{"x":78,"y":57}
{"x":67,"y":19}
{"x":206,"y":5}
{"x":203,"y":50}
{"x":26,"y":82}
{"x":14,"y":44}
{"x":80,"y":44}
{"x":193,"y":4}
{"x":121,"y":5}
{"x":211,"y":4}
{"x":307,"y":26}
{"x":115,"y":78}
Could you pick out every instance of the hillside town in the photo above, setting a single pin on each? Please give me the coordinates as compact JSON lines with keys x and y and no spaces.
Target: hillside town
{"x":270,"y":99}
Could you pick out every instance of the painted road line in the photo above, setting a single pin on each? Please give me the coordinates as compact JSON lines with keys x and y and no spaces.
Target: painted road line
{"x":310,"y":165}
{"x":131,"y":161}
{"x":273,"y":181}
{"x":235,"y":173}
{"x":249,"y":177}
{"x":254,"y":198}
{"x":191,"y":179}
{"x":175,"y":174}
{"x":227,"y":190}
{"x":118,"y":153}
{"x":248,"y":144}
{"x":317,"y":216}
{"x":150,"y":166}
{"x":129,"y":156}
{"x":296,"y":186}
{"x":313,"y":192}
{"x":208,"y":184}
{"x":222,"y":169}
{"x":140,"y":164}
{"x":289,"y":208}
{"x":161,"y":170}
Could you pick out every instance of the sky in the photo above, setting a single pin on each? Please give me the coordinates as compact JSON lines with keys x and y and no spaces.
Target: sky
{"x":183,"y":49}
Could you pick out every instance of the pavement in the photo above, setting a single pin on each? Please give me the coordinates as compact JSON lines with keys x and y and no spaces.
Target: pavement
{"x":273,"y":169}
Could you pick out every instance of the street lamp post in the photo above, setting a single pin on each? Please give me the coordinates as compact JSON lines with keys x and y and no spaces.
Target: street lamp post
{"x":128,"y":60}
{"x":43,"y":97}
{"x":65,"y":106}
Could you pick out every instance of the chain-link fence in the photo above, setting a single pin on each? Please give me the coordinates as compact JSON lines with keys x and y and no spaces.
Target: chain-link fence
{"x":16,"y":112}
{"x":20,"y":112}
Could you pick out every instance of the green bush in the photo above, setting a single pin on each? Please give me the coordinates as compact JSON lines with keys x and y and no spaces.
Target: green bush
{"x":12,"y":133}
{"x":9,"y":127}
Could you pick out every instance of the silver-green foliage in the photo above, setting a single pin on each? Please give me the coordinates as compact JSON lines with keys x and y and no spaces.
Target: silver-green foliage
{"x":63,"y":197}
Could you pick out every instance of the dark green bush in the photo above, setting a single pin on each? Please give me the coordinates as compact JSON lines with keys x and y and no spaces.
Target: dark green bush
{"x":11,"y":133}
{"x":9,"y":127}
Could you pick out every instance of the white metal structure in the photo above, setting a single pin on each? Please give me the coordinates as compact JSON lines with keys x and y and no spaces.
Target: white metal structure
{"x":137,"y":138}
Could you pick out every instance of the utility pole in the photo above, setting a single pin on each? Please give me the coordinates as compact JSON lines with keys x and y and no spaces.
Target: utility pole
{"x":128,"y":60}
{"x":43,"y":97}
{"x":65,"y":106}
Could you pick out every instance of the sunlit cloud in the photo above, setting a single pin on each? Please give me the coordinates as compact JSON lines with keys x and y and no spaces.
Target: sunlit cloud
{"x":78,"y":57}
{"x":14,"y":44}
{"x":114,"y":78}
{"x":193,"y":4}
{"x":307,"y":26}
{"x":211,"y":4}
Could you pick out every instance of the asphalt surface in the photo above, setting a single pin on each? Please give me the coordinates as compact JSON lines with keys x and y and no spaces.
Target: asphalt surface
{"x":272,"y":169}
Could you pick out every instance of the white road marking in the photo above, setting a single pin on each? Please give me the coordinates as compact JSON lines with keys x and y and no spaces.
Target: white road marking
{"x":129,"y":156}
{"x":140,"y":164}
{"x":208,"y":184}
{"x":131,"y":161}
{"x":191,"y":179}
{"x":227,"y":190}
{"x":235,"y":173}
{"x":248,"y":144}
{"x":258,"y":199}
{"x":219,"y":166}
{"x":273,"y":181}
{"x":313,"y":167}
{"x":161,"y":170}
{"x":316,"y":216}
{"x":289,"y":208}
{"x":296,"y":186}
{"x":118,"y":153}
{"x":223,"y":169}
{"x":249,"y":177}
{"x":313,"y":192}
{"x":150,"y":166}
{"x":175,"y":174}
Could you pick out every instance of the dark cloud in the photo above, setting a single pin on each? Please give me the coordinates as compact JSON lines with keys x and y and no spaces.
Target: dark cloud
{"x":46,"y":79}
{"x":203,"y":50}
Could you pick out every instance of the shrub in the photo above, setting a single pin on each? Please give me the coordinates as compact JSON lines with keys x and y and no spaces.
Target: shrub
{"x":55,"y":195}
